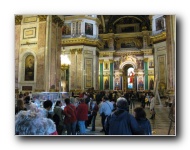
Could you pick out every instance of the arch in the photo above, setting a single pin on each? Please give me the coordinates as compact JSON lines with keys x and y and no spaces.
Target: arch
{"x":128,"y":60}
{"x":126,"y":17}
{"x":23,"y":57}
{"x":127,"y":63}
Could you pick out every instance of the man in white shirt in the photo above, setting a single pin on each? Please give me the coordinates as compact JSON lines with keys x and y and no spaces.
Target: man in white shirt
{"x":105,"y":110}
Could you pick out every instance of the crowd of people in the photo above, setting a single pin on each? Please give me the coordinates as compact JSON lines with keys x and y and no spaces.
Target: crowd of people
{"x":79,"y":113}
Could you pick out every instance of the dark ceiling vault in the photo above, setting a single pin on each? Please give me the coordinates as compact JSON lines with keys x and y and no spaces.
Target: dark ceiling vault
{"x":109,"y":22}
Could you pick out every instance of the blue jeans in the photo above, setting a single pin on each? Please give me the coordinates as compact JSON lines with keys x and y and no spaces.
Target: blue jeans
{"x":71,"y":128}
{"x":82,"y":127}
{"x":93,"y":121}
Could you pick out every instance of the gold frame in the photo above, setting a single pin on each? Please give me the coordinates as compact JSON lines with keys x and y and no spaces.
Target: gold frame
{"x":29,"y":33}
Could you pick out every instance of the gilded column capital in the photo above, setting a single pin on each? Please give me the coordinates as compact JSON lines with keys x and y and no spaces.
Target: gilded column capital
{"x":18,"y":19}
{"x":111,"y":60}
{"x":145,"y":59}
{"x":79,"y":51}
{"x":42,"y":17}
{"x":73,"y":51}
{"x":101,"y":61}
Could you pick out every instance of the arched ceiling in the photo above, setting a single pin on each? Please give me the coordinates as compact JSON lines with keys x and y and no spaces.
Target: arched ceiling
{"x":109,"y":22}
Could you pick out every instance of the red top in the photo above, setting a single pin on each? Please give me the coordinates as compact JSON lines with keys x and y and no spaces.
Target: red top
{"x":70,"y":114}
{"x":82,"y":112}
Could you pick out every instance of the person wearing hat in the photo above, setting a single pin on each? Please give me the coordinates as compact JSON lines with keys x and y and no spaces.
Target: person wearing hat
{"x":121,"y":122}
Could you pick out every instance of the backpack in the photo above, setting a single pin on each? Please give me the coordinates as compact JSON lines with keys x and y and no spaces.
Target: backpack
{"x":56,"y":119}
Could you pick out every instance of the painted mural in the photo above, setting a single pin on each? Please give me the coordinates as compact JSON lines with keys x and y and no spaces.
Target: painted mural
{"x":29,"y":68}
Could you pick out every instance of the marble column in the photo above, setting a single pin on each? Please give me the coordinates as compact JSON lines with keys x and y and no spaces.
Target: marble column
{"x":73,"y":70}
{"x":111,"y":74}
{"x":146,"y":73}
{"x":101,"y":74}
{"x":170,"y":43}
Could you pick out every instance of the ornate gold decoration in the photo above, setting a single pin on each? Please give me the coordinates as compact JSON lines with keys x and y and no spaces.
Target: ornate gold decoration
{"x":73,"y":51}
{"x":42,"y":17}
{"x":146,"y":51}
{"x":159,"y":37}
{"x":101,"y":61}
{"x":144,"y":28}
{"x":64,"y":67}
{"x":111,"y":60}
{"x":83,"y":41}
{"x":18,"y":20}
{"x":79,"y":51}
{"x":137,"y":42}
{"x":30,"y":19}
{"x":145,"y":59}
{"x":128,"y":53}
{"x":170,"y":92}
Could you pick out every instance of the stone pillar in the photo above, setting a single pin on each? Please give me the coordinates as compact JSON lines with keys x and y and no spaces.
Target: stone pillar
{"x":42,"y":71}
{"x":170,"y":43}
{"x":72,"y":70}
{"x":146,"y":73}
{"x":101,"y":74}
{"x":18,"y":20}
{"x":79,"y":66}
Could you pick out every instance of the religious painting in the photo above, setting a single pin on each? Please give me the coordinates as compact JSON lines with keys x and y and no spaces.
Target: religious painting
{"x":151,"y":83}
{"x":29,"y":33}
{"x":140,"y":83}
{"x":151,"y":64}
{"x":116,"y":65}
{"x":117,"y":83}
{"x":88,"y":28}
{"x":106,"y":65}
{"x":106,"y":83}
{"x":159,"y":23}
{"x":29,"y":68}
{"x":140,"y":64}
{"x":131,"y":75}
{"x":66,"y":29}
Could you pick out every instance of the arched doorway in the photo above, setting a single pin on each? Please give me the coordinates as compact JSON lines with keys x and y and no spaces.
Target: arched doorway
{"x":128,"y":77}
{"x":127,"y":68}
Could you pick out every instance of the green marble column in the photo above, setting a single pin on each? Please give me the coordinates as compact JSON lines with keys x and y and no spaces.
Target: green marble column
{"x":111,"y":74}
